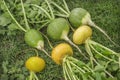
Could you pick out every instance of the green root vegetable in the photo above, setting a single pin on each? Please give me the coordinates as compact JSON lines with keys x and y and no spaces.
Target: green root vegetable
{"x":79,"y":16}
{"x":97,"y":52}
{"x":58,"y":29}
{"x":34,"y":39}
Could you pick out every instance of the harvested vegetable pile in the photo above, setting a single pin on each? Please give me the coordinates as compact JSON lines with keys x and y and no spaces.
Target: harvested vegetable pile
{"x":59,"y":40}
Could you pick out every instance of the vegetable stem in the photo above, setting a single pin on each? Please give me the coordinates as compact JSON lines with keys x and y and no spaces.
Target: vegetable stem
{"x":42,"y":21}
{"x":98,"y":63}
{"x":60,"y":8}
{"x":64,"y":71}
{"x":67,"y":72}
{"x":42,"y":10}
{"x":84,"y":64}
{"x":25,"y":18}
{"x":95,"y":43}
{"x":72,"y":28}
{"x":66,"y":6}
{"x":53,"y":17}
{"x":48,"y":41}
{"x":106,"y":64}
{"x":104,"y":69}
{"x":66,"y":68}
{"x":43,"y":25}
{"x":35,"y":76}
{"x":91,"y":23}
{"x":36,"y":52}
{"x":102,"y":54}
{"x":108,"y":74}
{"x":80,"y":69}
{"x":13,"y":17}
{"x":70,"y":42}
{"x":61,"y":15}
{"x":119,"y":62}
{"x":46,"y":52}
{"x":68,"y":63}
{"x":31,"y":75}
{"x":89,"y":52}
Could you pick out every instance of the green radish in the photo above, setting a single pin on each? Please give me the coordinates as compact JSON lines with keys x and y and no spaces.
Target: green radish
{"x":82,"y":36}
{"x":78,"y":17}
{"x":32,"y":37}
{"x":58,"y":28}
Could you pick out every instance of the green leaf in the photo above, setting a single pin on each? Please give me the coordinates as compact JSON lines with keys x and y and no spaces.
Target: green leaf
{"x":4,"y":20}
{"x":32,"y":14}
{"x":4,"y":77}
{"x":4,"y":66}
{"x":98,"y":76}
{"x":113,"y":67}
{"x":103,"y":74}
{"x":34,"y":1}
{"x":12,"y":27}
{"x":84,"y":77}
{"x":112,"y":78}
{"x":2,"y":31}
{"x":103,"y":51}
{"x":99,"y":68}
{"x":79,"y":63}
{"x":118,"y":74}
{"x":2,"y":5}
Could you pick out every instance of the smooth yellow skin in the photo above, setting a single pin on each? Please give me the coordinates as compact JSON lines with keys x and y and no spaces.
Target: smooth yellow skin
{"x":82,"y":34}
{"x":60,"y":51}
{"x":35,"y":64}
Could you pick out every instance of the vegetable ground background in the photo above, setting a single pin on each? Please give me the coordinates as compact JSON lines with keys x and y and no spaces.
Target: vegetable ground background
{"x":14,"y":51}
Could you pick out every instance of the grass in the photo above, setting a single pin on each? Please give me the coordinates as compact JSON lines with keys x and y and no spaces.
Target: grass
{"x":14,"y":51}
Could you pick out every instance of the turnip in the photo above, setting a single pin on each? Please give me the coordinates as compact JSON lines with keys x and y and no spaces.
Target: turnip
{"x":82,"y":36}
{"x":58,"y":28}
{"x":34,"y":64}
{"x":32,"y":37}
{"x":73,"y":69}
{"x":78,"y":17}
